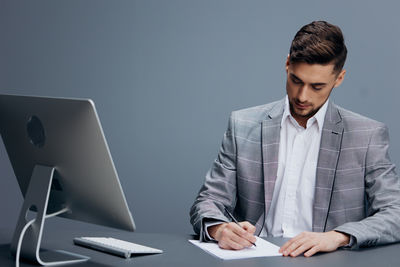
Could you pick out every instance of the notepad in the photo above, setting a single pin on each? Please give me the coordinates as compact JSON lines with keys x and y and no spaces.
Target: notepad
{"x":263,"y":249}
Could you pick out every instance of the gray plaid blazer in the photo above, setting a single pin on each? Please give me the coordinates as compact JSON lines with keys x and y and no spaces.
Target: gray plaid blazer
{"x":357,"y":190}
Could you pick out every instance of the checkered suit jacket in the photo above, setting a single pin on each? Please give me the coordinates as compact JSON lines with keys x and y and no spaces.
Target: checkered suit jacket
{"x":357,"y":190}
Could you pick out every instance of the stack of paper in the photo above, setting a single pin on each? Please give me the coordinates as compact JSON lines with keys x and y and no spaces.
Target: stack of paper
{"x":263,"y":248}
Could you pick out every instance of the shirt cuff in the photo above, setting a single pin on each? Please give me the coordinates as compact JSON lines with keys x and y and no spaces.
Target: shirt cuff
{"x":207,"y":236}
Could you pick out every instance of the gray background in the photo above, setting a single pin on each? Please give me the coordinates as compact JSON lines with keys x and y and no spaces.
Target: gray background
{"x":165,"y":76}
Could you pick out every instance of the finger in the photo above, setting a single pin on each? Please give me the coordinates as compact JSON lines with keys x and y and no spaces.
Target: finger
{"x":285,"y":246}
{"x":312,"y":251}
{"x":229,"y":235}
{"x":248,"y":227}
{"x":288,"y":244}
{"x":293,"y":246}
{"x":244,"y":241}
{"x":229,"y":244}
{"x":291,"y":241}
{"x":300,"y":250}
{"x":236,"y":228}
{"x":242,"y":233}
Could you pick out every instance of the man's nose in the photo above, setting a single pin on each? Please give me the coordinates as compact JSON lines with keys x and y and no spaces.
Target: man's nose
{"x":302,"y":94}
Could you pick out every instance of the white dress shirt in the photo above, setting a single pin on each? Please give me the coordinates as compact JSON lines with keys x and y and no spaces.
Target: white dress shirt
{"x":291,"y":210}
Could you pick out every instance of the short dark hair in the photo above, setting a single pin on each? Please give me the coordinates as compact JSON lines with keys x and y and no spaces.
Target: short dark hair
{"x":319,"y":43}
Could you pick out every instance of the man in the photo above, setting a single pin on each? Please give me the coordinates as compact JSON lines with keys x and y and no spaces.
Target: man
{"x":303,"y":167}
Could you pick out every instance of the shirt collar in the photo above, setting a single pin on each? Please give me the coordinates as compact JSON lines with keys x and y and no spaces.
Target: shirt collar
{"x":319,"y":116}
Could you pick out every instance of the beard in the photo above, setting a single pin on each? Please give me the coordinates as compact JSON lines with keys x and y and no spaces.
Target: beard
{"x":306,"y":115}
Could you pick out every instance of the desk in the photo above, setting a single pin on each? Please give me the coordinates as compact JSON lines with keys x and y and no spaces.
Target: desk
{"x":179,"y":252}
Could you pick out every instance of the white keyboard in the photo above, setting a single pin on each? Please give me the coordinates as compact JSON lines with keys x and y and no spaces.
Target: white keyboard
{"x":115,"y":246}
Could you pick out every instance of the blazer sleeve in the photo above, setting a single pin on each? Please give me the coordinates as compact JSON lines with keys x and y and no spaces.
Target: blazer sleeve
{"x":382,"y":192}
{"x":219,"y":188}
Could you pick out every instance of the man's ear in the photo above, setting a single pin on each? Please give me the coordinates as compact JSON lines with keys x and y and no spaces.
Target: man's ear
{"x":340,"y":78}
{"x":287,"y":63}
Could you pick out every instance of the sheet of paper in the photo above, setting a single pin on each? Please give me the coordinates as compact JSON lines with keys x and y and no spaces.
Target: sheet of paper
{"x":263,"y":249}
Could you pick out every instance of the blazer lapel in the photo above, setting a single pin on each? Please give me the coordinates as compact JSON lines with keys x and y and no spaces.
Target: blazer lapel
{"x":271,"y":128}
{"x":329,"y":151}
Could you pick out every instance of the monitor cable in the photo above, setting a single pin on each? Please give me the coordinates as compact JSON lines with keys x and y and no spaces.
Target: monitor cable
{"x":21,"y":237}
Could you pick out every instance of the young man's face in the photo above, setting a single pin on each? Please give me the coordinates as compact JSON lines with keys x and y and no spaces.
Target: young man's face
{"x":308,"y":87}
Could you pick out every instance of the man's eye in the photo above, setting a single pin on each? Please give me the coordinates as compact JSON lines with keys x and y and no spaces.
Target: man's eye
{"x":296,"y":81}
{"x":317,"y":88}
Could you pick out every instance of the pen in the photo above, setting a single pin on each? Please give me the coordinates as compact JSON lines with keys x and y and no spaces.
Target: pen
{"x":235,"y":221}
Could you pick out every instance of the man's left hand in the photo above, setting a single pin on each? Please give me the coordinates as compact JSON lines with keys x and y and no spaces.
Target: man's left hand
{"x":310,"y":243}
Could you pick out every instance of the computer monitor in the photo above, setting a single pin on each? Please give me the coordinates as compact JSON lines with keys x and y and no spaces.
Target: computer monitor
{"x":63,"y":165}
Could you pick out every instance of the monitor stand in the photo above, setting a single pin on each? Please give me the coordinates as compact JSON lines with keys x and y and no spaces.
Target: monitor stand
{"x":37,"y":195}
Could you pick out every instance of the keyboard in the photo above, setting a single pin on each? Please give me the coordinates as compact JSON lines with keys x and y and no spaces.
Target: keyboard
{"x":115,"y":246}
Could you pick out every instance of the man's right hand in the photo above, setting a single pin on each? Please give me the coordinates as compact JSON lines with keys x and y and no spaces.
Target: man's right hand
{"x":232,"y":236}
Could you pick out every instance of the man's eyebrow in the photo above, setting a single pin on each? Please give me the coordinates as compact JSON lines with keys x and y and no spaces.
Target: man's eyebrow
{"x":315,"y":84}
{"x":318,"y":84}
{"x":294,"y":76}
